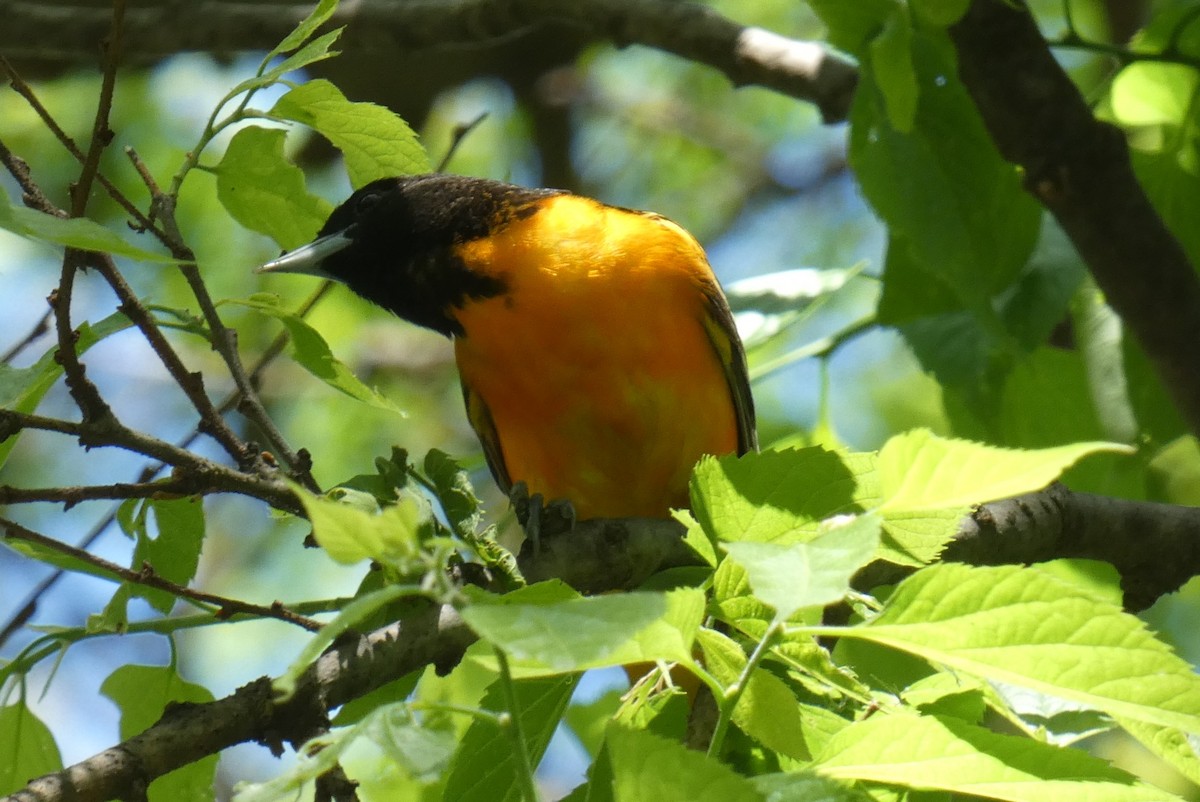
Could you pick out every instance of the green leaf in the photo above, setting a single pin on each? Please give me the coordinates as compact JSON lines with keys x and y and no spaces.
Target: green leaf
{"x":454,"y":491}
{"x":393,"y":692}
{"x":27,"y":748}
{"x":143,"y":694}
{"x":22,"y":389}
{"x":114,"y":618}
{"x":921,"y":471}
{"x":399,"y":756}
{"x":911,"y":292}
{"x":734,"y":602}
{"x":78,"y":232}
{"x":1171,"y":745}
{"x":945,"y":694}
{"x":647,"y":767}
{"x":353,"y":613}
{"x":917,"y":538}
{"x":307,"y":27}
{"x":375,"y":142}
{"x":942,"y":187}
{"x":811,"y":574}
{"x":1045,"y":401}
{"x":928,"y":752}
{"x":1098,"y":337}
{"x":316,"y":50}
{"x":484,"y":767}
{"x":312,"y":353}
{"x":265,"y":192}
{"x":1153,"y":93}
{"x":350,"y":535}
{"x":388,"y":729}
{"x":174,"y":553}
{"x":1028,"y":627}
{"x":804,"y":787}
{"x":891,"y":61}
{"x":778,"y":496}
{"x":942,"y":13}
{"x":1171,"y":178}
{"x":579,"y":634}
{"x":853,"y":25}
{"x":767,"y":710}
{"x":589,"y":720}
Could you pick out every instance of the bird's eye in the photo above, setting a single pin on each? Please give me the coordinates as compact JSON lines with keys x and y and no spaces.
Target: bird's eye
{"x":367,"y":202}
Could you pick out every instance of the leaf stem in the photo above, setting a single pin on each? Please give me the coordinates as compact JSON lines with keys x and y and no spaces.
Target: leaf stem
{"x":728,"y":701}
{"x":524,"y":769}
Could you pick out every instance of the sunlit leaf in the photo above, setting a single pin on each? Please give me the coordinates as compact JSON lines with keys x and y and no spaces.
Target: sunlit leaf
{"x":376,"y":142}
{"x":928,"y":752}
{"x":27,"y":748}
{"x":265,"y":192}
{"x":1027,"y":627}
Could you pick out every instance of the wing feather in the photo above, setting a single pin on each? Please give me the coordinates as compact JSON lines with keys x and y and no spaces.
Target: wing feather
{"x":485,"y":429}
{"x":722,"y":333}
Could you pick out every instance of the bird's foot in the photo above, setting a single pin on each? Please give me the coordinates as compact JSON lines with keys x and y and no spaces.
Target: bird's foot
{"x":538,"y":517}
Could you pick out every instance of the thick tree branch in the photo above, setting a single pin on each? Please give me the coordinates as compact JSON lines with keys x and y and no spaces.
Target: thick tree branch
{"x":186,"y":733}
{"x":618,"y":555}
{"x":1079,"y":168}
{"x":47,"y":30}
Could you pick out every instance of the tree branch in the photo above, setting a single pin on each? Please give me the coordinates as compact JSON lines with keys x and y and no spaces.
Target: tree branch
{"x":435,"y":636}
{"x":747,"y":55}
{"x":1079,"y":168}
{"x":216,"y":478}
{"x":147,"y":576}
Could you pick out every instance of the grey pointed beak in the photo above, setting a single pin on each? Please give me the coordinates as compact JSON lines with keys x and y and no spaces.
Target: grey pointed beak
{"x":307,"y":259}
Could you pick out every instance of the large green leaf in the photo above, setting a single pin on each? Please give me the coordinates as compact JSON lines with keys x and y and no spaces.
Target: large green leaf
{"x":578,"y":634}
{"x":778,"y":496}
{"x":375,"y":142}
{"x":484,"y":767}
{"x":929,"y":752}
{"x":265,"y":192}
{"x":960,"y":208}
{"x":920,"y":471}
{"x":1028,"y":627}
{"x":768,"y":711}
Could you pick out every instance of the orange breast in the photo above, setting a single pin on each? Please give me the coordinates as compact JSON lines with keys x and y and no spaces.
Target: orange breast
{"x":601,"y":381}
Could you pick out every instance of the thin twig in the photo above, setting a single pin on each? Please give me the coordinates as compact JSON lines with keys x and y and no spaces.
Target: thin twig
{"x":101,"y":132}
{"x":39,"y":329}
{"x":218,"y":478}
{"x":149,"y":578}
{"x":33,"y":195}
{"x":29,"y":606}
{"x":22,"y":88}
{"x":181,"y":485}
{"x":460,"y":133}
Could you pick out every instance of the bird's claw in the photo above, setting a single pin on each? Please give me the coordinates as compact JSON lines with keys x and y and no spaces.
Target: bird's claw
{"x":538,"y":517}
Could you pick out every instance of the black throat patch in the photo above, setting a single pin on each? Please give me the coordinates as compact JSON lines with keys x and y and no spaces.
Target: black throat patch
{"x":403,"y":234}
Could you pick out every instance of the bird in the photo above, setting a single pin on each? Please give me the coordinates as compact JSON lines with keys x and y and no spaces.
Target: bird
{"x":597,"y":353}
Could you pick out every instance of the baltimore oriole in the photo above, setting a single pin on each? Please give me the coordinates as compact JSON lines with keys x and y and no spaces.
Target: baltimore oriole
{"x":598,"y":355}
